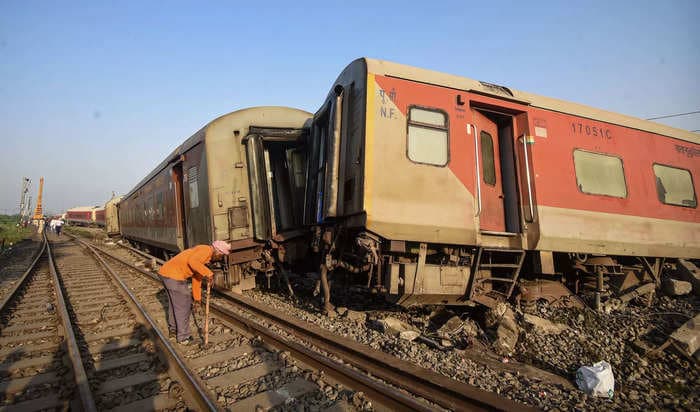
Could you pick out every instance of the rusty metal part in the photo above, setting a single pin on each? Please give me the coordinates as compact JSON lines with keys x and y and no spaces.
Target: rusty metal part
{"x":554,"y":292}
{"x":639,"y":291}
{"x":600,"y":288}
{"x":422,"y":382}
{"x":195,"y":392}
{"x":79,"y":374}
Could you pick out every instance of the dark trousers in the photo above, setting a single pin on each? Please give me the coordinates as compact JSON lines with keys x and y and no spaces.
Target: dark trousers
{"x":58,"y":230}
{"x":179,"y":306}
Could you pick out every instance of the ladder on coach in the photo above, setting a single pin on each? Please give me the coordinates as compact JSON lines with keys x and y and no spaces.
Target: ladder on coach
{"x":495,"y":272}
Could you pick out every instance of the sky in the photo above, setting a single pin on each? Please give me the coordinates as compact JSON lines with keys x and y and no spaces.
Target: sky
{"x":94,"y":95}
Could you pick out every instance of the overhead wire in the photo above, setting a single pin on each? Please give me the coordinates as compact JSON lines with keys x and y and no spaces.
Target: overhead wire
{"x":673,"y":115}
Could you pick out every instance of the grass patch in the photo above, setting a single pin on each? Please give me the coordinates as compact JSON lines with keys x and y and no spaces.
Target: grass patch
{"x":77,"y":231}
{"x":10,"y":233}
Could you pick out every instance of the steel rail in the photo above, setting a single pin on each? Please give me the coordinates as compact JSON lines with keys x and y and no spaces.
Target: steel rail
{"x":10,"y":295}
{"x":79,"y":374}
{"x":425,"y":383}
{"x":388,"y":396}
{"x":193,"y":385}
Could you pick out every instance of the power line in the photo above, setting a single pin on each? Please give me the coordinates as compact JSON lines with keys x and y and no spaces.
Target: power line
{"x":673,"y":115}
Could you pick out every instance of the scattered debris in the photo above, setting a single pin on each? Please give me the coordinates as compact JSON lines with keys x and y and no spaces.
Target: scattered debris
{"x":545,"y":326}
{"x":507,"y":331}
{"x":409,"y":335}
{"x":596,"y":380}
{"x":391,"y":326}
{"x":675,"y":287}
{"x":688,"y":271}
{"x":355,"y":315}
{"x":454,"y":326}
{"x":450,"y":327}
{"x":645,"y":289}
{"x":687,"y":337}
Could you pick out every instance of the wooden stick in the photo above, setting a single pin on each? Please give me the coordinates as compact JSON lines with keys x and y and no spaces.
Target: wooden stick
{"x":206,"y":313}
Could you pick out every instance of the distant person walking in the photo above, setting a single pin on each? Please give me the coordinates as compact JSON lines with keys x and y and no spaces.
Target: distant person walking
{"x":189,"y":263}
{"x":57,"y":226}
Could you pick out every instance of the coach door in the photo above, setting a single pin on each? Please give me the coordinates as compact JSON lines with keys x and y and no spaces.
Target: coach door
{"x":180,"y":230}
{"x":276,"y":165}
{"x":490,"y":205}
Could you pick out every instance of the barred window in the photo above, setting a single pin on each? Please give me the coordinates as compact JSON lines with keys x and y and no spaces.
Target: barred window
{"x":674,"y":186}
{"x":599,"y":174}
{"x":427,"y":136}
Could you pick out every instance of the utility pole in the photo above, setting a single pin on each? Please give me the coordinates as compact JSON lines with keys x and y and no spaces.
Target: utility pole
{"x":23,"y":207}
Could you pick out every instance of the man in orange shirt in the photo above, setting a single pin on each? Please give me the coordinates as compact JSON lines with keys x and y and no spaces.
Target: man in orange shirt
{"x":174,"y":273}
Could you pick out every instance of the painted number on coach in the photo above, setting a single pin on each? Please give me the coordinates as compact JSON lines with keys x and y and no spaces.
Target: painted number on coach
{"x":588,"y":130}
{"x":386,"y":107}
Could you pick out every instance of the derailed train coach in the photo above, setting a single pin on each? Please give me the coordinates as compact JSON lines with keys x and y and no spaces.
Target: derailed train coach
{"x":438,"y":189}
{"x":239,"y":179}
{"x":86,"y":216}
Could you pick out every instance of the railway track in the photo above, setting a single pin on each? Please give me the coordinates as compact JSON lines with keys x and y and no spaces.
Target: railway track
{"x":96,"y":342}
{"x":71,"y":338}
{"x":390,"y":383}
{"x":14,"y":264}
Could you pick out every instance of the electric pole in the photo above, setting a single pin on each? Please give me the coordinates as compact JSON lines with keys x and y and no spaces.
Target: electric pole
{"x":23,"y":206}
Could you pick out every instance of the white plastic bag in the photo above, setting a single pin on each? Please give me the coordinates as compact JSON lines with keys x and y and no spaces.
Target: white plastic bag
{"x":596,"y":380}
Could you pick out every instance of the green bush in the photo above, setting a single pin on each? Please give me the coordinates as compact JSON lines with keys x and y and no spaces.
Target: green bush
{"x":10,"y":233}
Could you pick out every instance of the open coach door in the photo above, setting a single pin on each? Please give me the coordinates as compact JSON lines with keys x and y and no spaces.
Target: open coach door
{"x":500,"y":254}
{"x":277,"y":166}
{"x":176,"y":177}
{"x":497,"y":186}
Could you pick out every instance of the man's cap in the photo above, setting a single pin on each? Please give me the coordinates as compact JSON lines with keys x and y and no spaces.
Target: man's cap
{"x":221,"y":247}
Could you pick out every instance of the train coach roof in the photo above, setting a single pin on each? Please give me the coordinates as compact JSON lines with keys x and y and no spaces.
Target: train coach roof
{"x":84,"y":209}
{"x":199,"y":137}
{"x":462,"y":83}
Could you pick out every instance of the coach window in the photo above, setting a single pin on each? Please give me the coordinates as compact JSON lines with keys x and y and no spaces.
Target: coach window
{"x":488,"y":164}
{"x":193,"y":177}
{"x":427,"y":136}
{"x":674,"y":186}
{"x":599,"y":174}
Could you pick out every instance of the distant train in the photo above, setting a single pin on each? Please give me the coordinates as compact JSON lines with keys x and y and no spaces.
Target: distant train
{"x":429,"y":188}
{"x":112,"y":215}
{"x":86,"y":216}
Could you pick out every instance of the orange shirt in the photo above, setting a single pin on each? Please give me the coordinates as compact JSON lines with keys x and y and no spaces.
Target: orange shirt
{"x":190,"y":263}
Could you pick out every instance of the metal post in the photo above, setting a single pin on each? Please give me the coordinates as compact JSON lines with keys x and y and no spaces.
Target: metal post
{"x":599,"y":288}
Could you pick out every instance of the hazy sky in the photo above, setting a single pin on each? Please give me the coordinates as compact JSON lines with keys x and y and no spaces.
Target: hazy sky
{"x":93,"y":96}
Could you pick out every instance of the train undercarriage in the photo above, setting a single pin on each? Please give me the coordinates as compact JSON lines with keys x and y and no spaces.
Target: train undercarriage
{"x":414,"y":273}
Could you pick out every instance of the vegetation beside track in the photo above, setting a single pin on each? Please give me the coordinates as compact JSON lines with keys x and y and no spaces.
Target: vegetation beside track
{"x":10,"y":233}
{"x":78,"y":231}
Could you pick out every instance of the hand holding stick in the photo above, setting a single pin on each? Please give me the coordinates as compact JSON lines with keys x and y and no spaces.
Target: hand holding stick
{"x":206,"y":312}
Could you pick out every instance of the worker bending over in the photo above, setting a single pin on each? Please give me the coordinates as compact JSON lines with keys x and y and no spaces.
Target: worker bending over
{"x":189,"y":263}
